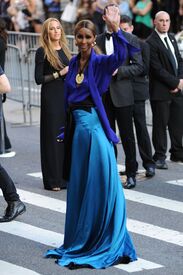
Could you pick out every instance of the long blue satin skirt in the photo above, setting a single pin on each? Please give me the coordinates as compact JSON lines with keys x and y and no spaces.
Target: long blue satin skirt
{"x":95,"y":229}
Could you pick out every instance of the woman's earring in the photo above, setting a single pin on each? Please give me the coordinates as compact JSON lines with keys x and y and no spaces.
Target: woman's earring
{"x":93,"y":44}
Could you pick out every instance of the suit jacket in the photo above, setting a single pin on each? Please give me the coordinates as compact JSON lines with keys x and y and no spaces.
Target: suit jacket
{"x":121,"y":89}
{"x":141,"y":83}
{"x":162,"y":77}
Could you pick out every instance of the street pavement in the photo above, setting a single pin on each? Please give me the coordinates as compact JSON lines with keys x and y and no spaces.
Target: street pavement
{"x":154,"y":211}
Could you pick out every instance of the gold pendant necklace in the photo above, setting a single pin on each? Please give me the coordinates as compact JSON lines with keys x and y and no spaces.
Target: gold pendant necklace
{"x":79,"y":78}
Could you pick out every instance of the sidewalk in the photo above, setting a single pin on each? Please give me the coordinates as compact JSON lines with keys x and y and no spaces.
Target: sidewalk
{"x":13,"y":112}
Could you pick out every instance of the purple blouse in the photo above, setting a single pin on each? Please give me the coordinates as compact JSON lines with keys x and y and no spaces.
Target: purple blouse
{"x":97,"y":77}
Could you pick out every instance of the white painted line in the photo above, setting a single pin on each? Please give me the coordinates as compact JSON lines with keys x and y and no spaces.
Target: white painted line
{"x":155,"y":201}
{"x":12,"y":269}
{"x":42,"y":201}
{"x":54,"y":239}
{"x":36,"y":175}
{"x":176,"y":182}
{"x":131,"y":195}
{"x":155,"y":232}
{"x":139,"y":265}
{"x":135,"y":226}
{"x":33,"y":233}
{"x":8,"y":155}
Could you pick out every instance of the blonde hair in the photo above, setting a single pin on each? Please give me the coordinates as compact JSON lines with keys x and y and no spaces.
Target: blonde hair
{"x":45,"y":42}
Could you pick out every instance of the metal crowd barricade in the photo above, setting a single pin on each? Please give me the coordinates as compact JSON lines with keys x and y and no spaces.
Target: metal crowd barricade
{"x":34,"y":90}
{"x":23,"y":40}
{"x":72,"y":45}
{"x":14,"y":71}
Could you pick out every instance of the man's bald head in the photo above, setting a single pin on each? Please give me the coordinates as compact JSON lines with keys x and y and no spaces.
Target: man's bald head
{"x":161,"y":13}
{"x":162,"y":21}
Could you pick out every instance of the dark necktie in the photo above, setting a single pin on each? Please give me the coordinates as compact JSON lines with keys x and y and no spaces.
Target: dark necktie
{"x":108,"y":35}
{"x":172,"y":58}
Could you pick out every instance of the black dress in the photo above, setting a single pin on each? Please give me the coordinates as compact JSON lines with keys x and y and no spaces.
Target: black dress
{"x":52,"y":119}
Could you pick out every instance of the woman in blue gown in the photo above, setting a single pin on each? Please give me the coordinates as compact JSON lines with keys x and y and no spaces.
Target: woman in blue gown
{"x":95,"y":231}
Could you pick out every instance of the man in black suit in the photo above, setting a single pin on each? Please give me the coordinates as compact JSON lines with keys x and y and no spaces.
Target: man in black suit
{"x":166,"y":83}
{"x":119,"y":100}
{"x":141,"y":94}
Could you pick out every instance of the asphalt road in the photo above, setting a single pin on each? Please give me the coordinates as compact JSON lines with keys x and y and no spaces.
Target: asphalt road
{"x":154,"y":210}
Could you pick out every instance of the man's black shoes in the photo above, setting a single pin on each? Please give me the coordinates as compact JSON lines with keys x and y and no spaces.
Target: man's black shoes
{"x":161,"y":164}
{"x":130,"y":183}
{"x":150,"y":172}
{"x":14,"y":209}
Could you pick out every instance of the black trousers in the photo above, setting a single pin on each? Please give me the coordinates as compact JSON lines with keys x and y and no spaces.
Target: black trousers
{"x":124,"y":118}
{"x":168,"y":114}
{"x":143,"y":139}
{"x":7,"y":186}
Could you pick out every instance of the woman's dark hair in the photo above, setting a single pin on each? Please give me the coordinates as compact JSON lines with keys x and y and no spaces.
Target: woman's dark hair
{"x":3,"y":32}
{"x":85,"y":24}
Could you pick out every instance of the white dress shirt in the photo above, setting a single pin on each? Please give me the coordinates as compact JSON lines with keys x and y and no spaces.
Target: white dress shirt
{"x":109,"y":46}
{"x":162,"y":37}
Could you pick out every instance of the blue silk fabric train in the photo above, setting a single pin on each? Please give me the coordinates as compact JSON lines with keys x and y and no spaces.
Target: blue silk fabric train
{"x":95,"y":229}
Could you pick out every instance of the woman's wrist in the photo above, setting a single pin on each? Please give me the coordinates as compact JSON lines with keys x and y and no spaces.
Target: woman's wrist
{"x":116,"y":30}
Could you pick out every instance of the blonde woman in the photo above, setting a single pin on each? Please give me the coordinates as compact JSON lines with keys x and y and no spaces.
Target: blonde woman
{"x":51,"y":67}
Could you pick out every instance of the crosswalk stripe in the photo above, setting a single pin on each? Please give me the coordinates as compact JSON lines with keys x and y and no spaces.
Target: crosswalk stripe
{"x":135,"y":226}
{"x":33,"y":233}
{"x":155,"y":232}
{"x":54,"y":239}
{"x":176,"y":182}
{"x":131,"y":195}
{"x":12,"y":269}
{"x":139,"y":265}
{"x":36,"y":175}
{"x":8,"y":155}
{"x":155,"y":201}
{"x":120,"y":168}
{"x":144,"y":228}
{"x":42,"y":201}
